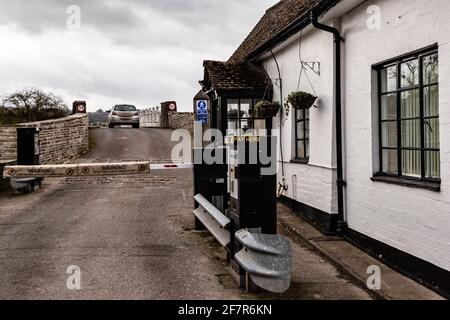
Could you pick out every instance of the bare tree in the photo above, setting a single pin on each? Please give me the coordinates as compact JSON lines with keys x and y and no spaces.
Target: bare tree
{"x":32,"y":105}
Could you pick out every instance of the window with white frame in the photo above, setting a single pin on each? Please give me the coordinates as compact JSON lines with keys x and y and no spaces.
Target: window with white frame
{"x":409,"y":117}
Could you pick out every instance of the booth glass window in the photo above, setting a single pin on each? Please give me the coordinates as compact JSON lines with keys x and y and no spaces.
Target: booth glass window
{"x":302,"y":134}
{"x":239,"y":114}
{"x":409,"y":117}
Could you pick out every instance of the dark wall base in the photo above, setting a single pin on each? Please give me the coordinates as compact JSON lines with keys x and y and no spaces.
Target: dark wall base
{"x":427,"y":274}
{"x":325,"y":222}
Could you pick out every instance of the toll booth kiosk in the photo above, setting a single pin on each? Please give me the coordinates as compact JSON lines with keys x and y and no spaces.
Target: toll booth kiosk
{"x":210,"y":180}
{"x":252,"y":191}
{"x":248,"y":198}
{"x":243,"y":187}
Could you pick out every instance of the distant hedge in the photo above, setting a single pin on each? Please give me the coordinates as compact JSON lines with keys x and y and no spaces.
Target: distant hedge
{"x":31,"y":105}
{"x":14,"y":115}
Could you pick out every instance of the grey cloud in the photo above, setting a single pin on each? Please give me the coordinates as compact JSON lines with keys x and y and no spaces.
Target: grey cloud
{"x":144,"y":51}
{"x":39,"y":16}
{"x":139,"y":23}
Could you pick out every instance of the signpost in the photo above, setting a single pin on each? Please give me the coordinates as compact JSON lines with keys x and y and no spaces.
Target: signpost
{"x":202,"y":112}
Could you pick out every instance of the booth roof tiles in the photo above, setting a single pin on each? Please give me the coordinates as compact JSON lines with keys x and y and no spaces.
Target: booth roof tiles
{"x":225,"y":76}
{"x":276,"y":19}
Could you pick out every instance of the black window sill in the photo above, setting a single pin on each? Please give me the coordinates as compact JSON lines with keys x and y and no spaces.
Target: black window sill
{"x":300,"y":161}
{"x":405,"y":182}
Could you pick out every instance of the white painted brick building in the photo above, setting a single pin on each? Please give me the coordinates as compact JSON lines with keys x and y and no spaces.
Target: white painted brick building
{"x":396,"y":156}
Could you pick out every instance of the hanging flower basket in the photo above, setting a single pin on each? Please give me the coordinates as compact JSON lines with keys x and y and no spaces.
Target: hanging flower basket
{"x":301,"y":100}
{"x":266,"y":109}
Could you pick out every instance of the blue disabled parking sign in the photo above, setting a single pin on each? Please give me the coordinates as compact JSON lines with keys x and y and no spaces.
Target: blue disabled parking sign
{"x":202,"y":111}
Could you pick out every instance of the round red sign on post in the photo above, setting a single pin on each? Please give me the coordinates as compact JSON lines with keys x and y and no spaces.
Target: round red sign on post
{"x":79,"y":107}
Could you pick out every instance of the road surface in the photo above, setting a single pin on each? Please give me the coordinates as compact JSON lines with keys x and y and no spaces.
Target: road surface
{"x":130,"y":237}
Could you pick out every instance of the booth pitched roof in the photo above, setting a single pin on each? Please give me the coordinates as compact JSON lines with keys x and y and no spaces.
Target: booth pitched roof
{"x":226,"y":76}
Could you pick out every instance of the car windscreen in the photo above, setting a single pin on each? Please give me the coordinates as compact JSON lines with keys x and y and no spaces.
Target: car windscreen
{"x":125,"y":108}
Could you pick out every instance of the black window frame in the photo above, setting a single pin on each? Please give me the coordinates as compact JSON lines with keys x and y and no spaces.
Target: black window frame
{"x":239,"y":119}
{"x":306,"y":136}
{"x":430,"y":183}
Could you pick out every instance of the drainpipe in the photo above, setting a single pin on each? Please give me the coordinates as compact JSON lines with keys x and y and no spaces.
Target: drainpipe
{"x":338,"y":105}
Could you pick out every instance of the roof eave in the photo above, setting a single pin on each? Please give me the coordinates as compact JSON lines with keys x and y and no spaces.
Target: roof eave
{"x":296,"y":26}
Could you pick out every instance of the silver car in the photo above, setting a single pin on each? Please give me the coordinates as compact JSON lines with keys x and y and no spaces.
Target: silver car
{"x":124,"y":114}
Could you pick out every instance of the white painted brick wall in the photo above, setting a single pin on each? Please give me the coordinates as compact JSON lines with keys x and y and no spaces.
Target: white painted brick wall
{"x":315,"y":186}
{"x":412,"y":220}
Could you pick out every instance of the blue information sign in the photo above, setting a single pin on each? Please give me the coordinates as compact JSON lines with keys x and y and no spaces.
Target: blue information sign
{"x":202,"y":111}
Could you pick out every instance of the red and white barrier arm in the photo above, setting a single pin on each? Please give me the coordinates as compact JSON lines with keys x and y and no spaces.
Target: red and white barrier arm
{"x":89,"y":169}
{"x":171,"y":166}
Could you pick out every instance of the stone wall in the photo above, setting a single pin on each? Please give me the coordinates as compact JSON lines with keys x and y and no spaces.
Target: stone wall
{"x":62,"y":139}
{"x":181,"y":120}
{"x":8,"y":143}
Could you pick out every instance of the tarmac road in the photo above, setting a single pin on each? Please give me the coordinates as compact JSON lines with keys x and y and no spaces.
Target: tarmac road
{"x":131,"y":237}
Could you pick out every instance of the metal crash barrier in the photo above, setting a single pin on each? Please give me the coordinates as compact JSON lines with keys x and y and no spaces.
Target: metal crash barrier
{"x":240,"y":194}
{"x":216,"y":222}
{"x":267,"y":259}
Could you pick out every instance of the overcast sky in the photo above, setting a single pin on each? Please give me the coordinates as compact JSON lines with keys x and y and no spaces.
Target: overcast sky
{"x":135,"y":51}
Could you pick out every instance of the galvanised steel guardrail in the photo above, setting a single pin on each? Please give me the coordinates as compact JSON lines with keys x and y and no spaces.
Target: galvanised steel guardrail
{"x":214,"y":220}
{"x":267,"y":259}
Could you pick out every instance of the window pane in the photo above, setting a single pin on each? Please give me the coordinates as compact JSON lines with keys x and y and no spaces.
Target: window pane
{"x":307,"y":128}
{"x":431,"y":133}
{"x":245,"y":108}
{"x":390,"y":161}
{"x":389,"y":134}
{"x":389,"y":107}
{"x":232,"y":124}
{"x":410,"y":104}
{"x":259,"y":124}
{"x":307,"y":114}
{"x":432,"y":165}
{"x":411,"y":163}
{"x":299,"y":114}
{"x":411,"y":134}
{"x":233,"y":108}
{"x":300,"y":130}
{"x":430,"y":69}
{"x":389,"y":79}
{"x":247,"y":124}
{"x":431,"y":101}
{"x":301,"y":149}
{"x":409,"y":73}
